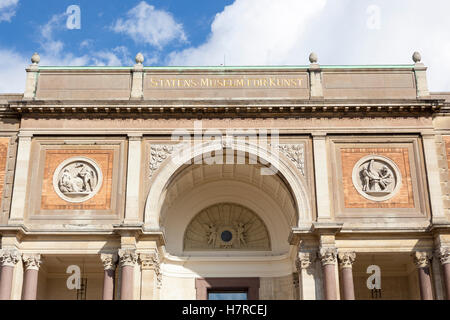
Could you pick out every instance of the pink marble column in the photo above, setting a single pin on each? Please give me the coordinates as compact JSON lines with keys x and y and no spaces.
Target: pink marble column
{"x":328,"y":259}
{"x":9,"y":258}
{"x":30,"y":280}
{"x":346,"y":260}
{"x":422,"y":262}
{"x":445,"y":261}
{"x":109,"y":261}
{"x":128,"y":260}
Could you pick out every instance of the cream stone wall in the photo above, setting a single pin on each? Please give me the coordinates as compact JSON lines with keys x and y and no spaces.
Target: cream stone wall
{"x":178,"y":288}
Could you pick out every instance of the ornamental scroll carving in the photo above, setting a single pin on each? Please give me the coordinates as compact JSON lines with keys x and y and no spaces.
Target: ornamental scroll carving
{"x":226,"y":226}
{"x":77,"y":179}
{"x":376,"y":178}
{"x":295,"y":153}
{"x":158,"y":153}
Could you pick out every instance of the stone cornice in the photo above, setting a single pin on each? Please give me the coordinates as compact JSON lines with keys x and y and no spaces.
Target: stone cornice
{"x":224,"y":108}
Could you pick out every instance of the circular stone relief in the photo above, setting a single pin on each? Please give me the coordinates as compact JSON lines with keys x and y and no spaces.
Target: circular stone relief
{"x":376,"y":178}
{"x":77,"y":179}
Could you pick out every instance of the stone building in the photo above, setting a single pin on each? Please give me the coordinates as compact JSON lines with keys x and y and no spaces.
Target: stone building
{"x":299,"y":182}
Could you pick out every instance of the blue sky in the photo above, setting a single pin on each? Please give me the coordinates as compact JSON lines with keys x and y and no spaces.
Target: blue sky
{"x":241,"y":32}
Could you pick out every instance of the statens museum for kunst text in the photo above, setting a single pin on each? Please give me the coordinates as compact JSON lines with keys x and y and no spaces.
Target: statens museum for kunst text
{"x":276,"y":182}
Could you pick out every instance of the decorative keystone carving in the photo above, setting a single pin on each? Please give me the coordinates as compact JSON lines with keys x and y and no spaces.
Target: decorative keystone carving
{"x":158,"y":153}
{"x":305,"y":260}
{"x":109,"y":260}
{"x":127,"y":257}
{"x":31,"y":261}
{"x":327,"y":256}
{"x":346,"y":259}
{"x":422,"y":259}
{"x":444,"y":255}
{"x":9,"y":257}
{"x":295,"y":153}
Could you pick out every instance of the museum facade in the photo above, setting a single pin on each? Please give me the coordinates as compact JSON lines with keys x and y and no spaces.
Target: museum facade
{"x":274,"y":182}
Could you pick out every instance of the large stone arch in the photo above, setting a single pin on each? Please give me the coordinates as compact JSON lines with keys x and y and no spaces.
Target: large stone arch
{"x":287,"y":171}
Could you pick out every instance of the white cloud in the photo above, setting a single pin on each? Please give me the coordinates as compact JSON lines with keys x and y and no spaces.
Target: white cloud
{"x":252,"y":32}
{"x":12,"y":66}
{"x":284,"y":32}
{"x":54,"y":54}
{"x":146,"y":24}
{"x":8,"y":9}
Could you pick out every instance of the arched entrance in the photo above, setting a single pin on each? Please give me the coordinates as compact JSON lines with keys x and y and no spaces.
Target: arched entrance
{"x":217,"y":198}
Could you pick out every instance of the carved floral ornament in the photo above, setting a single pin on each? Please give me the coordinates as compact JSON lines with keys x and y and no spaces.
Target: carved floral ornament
{"x":77,"y":179}
{"x":226,"y":226}
{"x":376,"y":178}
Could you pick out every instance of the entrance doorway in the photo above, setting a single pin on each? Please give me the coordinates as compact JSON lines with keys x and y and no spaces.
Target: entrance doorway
{"x":227,"y":288}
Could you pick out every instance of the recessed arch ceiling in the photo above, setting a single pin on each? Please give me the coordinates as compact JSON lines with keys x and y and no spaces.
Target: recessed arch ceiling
{"x":195,"y":175}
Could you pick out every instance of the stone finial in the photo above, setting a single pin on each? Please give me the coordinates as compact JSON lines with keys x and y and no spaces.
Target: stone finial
{"x":417,"y":57}
{"x":313,"y":57}
{"x":139,"y":58}
{"x":35,"y":58}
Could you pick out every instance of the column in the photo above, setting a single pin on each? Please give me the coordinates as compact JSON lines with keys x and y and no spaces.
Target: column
{"x":30,"y":280}
{"x":434,"y":185}
{"x":128,"y":259}
{"x":321,"y":176}
{"x":151,"y":275}
{"x":20,"y":179}
{"x":305,"y":264}
{"x":346,"y":260}
{"x":109,"y":261}
{"x":9,"y":258}
{"x":328,"y":259}
{"x":444,"y":257}
{"x":422,"y":262}
{"x":133,"y":178}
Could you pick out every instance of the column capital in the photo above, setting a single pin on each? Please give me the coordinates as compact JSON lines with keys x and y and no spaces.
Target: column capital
{"x":109,"y":260}
{"x":132,"y":136}
{"x":327,"y":256}
{"x":127,"y":257}
{"x":9,"y":257}
{"x":422,"y":259}
{"x":444,"y":255}
{"x":32,"y":261}
{"x":305,"y":260}
{"x":346,"y":259}
{"x":151,"y":261}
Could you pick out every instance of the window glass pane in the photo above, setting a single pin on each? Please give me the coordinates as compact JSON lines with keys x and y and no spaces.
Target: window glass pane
{"x":227,"y":295}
